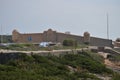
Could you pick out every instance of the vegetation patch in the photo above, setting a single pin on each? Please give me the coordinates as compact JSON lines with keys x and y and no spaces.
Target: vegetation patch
{"x":81,"y":66}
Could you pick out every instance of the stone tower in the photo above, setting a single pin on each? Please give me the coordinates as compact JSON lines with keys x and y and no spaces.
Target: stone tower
{"x":86,"y":37}
{"x":15,"y":35}
{"x":49,"y":35}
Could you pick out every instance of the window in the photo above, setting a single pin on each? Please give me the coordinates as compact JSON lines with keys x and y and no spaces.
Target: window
{"x":29,"y":38}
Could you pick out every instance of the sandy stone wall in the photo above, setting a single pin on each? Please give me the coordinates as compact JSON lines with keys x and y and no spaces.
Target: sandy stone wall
{"x":117,"y":44}
{"x":49,"y":36}
{"x":30,"y":38}
{"x":53,"y":36}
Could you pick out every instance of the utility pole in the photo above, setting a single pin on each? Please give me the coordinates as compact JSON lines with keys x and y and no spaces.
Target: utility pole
{"x":1,"y":34}
{"x":107,"y":26}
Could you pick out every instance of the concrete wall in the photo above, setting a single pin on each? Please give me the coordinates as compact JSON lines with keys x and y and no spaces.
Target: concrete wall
{"x":100,"y":42}
{"x":5,"y":57}
{"x":6,"y":38}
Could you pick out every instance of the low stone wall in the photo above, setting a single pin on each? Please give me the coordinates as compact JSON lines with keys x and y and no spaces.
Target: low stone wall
{"x":6,"y":56}
{"x":111,"y":51}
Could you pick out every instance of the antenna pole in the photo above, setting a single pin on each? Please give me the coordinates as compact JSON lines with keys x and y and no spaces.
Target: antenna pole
{"x":107,"y":26}
{"x":1,"y":34}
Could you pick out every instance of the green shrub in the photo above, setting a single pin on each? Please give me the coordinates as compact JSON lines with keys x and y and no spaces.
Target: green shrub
{"x":116,"y":76}
{"x":85,"y":61}
{"x":36,"y":67}
{"x":70,"y":42}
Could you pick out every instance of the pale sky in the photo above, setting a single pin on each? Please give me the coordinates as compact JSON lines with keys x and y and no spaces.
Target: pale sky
{"x":76,"y":16}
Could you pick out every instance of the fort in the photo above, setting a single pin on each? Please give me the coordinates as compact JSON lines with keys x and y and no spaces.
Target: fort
{"x":54,"y":36}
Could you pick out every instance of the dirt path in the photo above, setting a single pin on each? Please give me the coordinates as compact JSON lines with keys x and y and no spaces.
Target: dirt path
{"x":109,"y":63}
{"x":112,"y":65}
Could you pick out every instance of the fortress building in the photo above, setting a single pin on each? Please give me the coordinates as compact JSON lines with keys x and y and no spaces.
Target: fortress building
{"x":53,"y":36}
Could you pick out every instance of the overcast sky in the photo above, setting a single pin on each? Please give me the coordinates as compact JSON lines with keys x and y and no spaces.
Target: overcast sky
{"x":76,"y":16}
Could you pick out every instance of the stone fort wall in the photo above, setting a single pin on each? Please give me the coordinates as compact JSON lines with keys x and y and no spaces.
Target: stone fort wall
{"x":100,"y":42}
{"x":53,"y":36}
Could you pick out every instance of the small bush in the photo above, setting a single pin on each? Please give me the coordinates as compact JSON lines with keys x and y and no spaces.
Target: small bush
{"x":69,"y":42}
